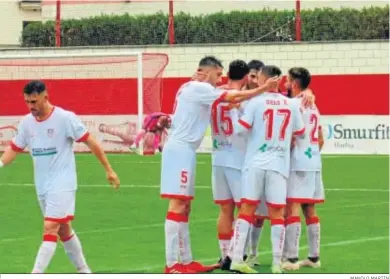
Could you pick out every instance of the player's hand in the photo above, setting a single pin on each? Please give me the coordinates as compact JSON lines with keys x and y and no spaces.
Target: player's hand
{"x":308,"y":98}
{"x":224,"y":86}
{"x":271,"y":83}
{"x":113,"y":179}
{"x":234,"y":105}
{"x":200,"y":76}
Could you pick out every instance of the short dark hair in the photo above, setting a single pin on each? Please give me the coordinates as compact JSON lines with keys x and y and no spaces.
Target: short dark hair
{"x":34,"y":87}
{"x":238,"y":69}
{"x":255,"y":65}
{"x":210,"y":61}
{"x":271,"y":71}
{"x":301,"y":75}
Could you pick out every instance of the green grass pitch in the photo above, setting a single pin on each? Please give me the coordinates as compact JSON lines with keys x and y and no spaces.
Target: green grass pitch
{"x":123,"y":231}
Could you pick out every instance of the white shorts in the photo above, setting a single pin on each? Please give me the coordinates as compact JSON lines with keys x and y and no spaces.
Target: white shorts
{"x":265,"y":186}
{"x":58,"y":207}
{"x":305,"y":187}
{"x":178,"y":164}
{"x":226,"y":185}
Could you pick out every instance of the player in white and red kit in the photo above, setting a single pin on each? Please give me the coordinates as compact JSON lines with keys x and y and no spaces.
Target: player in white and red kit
{"x":271,"y":119}
{"x":227,"y":160}
{"x":49,"y":132}
{"x":305,"y":185}
{"x":190,"y":120}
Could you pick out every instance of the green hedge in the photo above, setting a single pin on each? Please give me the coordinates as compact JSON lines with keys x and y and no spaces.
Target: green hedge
{"x":234,"y":27}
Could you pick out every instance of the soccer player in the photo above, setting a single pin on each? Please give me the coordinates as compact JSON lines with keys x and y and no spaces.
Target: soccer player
{"x":49,"y":132}
{"x":254,"y":68}
{"x":155,"y":123}
{"x":227,"y":160}
{"x":305,"y":187}
{"x":261,"y":214}
{"x":271,"y":120}
{"x":190,"y":120}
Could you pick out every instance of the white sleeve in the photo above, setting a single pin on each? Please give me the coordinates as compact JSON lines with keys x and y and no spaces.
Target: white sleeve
{"x":206,"y":94}
{"x":76,"y":130}
{"x":247,"y":115}
{"x":297,"y":118}
{"x":19,"y":142}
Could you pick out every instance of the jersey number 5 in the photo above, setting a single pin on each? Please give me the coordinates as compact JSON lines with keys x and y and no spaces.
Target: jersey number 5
{"x":268,"y":117}
{"x":222,"y":117}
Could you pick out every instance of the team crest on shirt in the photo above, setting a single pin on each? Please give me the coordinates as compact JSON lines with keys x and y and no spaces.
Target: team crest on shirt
{"x":50,"y":132}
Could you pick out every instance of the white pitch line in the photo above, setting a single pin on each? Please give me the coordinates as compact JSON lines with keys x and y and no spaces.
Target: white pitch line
{"x":211,"y":260}
{"x":196,"y":187}
{"x":157,"y":225}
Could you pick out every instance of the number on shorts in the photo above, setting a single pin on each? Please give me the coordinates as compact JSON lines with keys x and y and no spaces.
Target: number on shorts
{"x":184,"y":177}
{"x":224,"y":119}
{"x":269,"y":119}
{"x":314,"y":131}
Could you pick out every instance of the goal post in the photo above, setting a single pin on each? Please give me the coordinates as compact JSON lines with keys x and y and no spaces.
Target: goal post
{"x":111,"y":90}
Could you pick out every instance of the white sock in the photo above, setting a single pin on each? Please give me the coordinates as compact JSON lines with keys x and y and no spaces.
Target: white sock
{"x":241,"y":231}
{"x":224,"y":243}
{"x":185,"y":243}
{"x":277,"y":239}
{"x":171,"y":239}
{"x":74,"y":251}
{"x":293,"y":235}
{"x":254,"y":237}
{"x":313,"y":236}
{"x":45,"y":253}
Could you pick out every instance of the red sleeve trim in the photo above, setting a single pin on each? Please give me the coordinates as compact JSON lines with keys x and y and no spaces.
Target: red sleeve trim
{"x":299,"y":132}
{"x":15,"y":147}
{"x":84,"y":138}
{"x":244,"y":124}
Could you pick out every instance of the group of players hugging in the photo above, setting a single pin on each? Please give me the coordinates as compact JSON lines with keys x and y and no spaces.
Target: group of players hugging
{"x":265,"y":162}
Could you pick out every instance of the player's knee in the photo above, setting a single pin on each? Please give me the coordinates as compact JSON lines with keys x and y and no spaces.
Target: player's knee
{"x":276,"y":213}
{"x":247,"y":209}
{"x":50,"y":227}
{"x":309,"y":211}
{"x":65,"y":231}
{"x":292,"y":209}
{"x":179,"y":206}
{"x":227,"y":211}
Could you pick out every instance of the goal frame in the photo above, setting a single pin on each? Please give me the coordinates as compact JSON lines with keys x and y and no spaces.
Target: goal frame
{"x":139,"y":55}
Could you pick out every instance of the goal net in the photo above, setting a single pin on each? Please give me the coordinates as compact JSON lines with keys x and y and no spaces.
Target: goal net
{"x":110,"y":91}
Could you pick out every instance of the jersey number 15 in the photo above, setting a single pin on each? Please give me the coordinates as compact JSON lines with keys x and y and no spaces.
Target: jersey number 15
{"x":223,"y":119}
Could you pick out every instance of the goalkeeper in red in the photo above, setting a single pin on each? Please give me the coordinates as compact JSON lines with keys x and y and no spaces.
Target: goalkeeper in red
{"x":49,"y":133}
